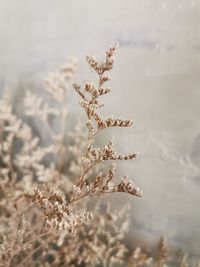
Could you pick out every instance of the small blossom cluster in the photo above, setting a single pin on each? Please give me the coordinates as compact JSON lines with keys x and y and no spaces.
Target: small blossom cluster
{"x":57,"y":82}
{"x":57,"y":213}
{"x":94,"y":155}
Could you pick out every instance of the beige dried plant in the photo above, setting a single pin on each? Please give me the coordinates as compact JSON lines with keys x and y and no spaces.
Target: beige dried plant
{"x":90,"y":95}
{"x":51,"y":208}
{"x":36,"y":190}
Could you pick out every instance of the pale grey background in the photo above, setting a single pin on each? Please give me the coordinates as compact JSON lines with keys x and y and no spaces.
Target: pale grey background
{"x":156,"y":81}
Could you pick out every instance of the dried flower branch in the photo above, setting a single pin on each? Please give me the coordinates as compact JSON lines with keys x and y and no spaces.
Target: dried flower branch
{"x":95,"y":123}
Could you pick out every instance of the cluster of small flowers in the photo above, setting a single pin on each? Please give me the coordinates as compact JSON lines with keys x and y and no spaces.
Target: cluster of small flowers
{"x":58,"y":214}
{"x":35,"y":106}
{"x":57,"y":81}
{"x":70,"y":221}
{"x":101,"y":67}
{"x":110,"y":122}
{"x":127,"y":186}
{"x":99,"y":154}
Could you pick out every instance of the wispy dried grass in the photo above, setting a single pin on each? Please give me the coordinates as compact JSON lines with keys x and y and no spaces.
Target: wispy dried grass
{"x":42,"y":203}
{"x":48,"y":216}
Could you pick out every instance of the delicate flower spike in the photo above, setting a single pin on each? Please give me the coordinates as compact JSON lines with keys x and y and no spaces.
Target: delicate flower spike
{"x":93,"y":156}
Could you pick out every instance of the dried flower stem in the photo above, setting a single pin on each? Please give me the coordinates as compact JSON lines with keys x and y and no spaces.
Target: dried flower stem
{"x":90,"y":103}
